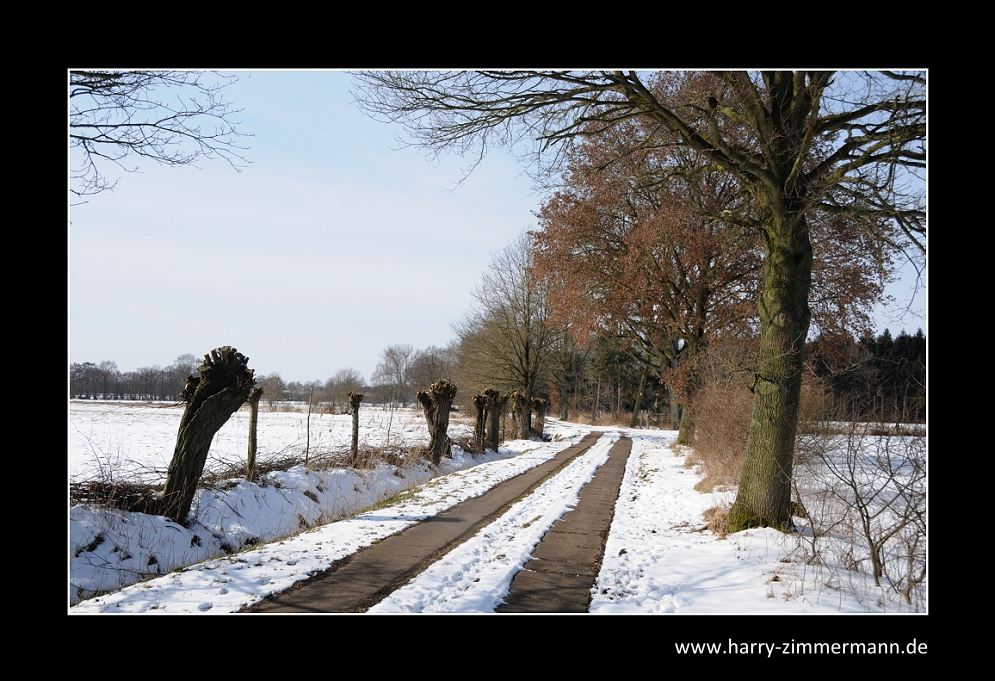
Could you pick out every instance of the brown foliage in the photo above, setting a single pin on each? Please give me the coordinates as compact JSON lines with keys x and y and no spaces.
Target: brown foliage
{"x":723,"y":408}
{"x":625,"y":253}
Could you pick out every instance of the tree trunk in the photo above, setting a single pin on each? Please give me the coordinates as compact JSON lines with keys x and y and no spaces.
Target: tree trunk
{"x":480,"y":427}
{"x":685,"y":429}
{"x":224,"y":385}
{"x":355,"y":399}
{"x":522,"y":406}
{"x":688,"y":357}
{"x":541,"y":405}
{"x":496,"y":406}
{"x":764,"y":498}
{"x":437,"y":401}
{"x":594,"y":409}
{"x":250,"y":466}
{"x":637,"y":407}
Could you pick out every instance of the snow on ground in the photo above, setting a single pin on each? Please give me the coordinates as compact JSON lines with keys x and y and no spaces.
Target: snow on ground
{"x":110,"y":549}
{"x":134,"y":441}
{"x":659,"y":557}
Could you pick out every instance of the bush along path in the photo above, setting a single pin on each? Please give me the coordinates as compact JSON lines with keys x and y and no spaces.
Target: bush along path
{"x":364,"y":579}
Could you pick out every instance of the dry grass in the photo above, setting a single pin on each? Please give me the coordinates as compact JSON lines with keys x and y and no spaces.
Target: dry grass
{"x":717,"y":518}
{"x":127,"y":496}
{"x":722,"y":426}
{"x":371,"y":457}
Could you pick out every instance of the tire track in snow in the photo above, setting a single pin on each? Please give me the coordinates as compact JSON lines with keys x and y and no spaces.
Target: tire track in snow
{"x":476,"y":575}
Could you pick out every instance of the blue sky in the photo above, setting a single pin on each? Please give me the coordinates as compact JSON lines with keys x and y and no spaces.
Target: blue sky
{"x":330,"y":246}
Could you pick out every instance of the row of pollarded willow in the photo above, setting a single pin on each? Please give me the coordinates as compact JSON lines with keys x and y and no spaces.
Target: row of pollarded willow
{"x":490,"y":405}
{"x":223,"y":385}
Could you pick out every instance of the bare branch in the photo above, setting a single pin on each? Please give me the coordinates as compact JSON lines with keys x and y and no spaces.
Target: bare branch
{"x":171,"y":117}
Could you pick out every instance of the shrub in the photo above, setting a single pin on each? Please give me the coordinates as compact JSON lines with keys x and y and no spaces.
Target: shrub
{"x":722,"y":427}
{"x":723,"y":408}
{"x":865,"y":497}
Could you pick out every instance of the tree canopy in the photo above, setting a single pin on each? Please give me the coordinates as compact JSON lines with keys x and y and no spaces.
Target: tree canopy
{"x":507,"y":340}
{"x":800,"y":146}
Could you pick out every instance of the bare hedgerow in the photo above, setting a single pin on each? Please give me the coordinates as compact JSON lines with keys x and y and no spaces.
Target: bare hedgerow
{"x":723,"y":408}
{"x":723,"y":405}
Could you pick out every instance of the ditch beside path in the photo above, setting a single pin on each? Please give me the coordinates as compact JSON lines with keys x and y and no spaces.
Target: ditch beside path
{"x":362,"y":580}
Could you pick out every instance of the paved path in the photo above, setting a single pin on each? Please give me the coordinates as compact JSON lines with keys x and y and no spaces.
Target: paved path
{"x":362,"y":580}
{"x":567,"y":560}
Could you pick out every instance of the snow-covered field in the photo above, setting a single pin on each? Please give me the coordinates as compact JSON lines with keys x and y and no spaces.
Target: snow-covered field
{"x":659,"y":556}
{"x":134,"y":441}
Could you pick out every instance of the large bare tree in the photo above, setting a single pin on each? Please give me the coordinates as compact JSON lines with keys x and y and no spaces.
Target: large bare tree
{"x":797,"y":143}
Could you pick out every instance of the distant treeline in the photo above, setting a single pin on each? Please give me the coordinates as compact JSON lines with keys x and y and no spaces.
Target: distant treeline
{"x":871,"y":378}
{"x":105,"y":381}
{"x":881,"y":378}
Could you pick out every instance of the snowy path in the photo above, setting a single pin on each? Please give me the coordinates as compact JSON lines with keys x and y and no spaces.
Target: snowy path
{"x":477,"y":575}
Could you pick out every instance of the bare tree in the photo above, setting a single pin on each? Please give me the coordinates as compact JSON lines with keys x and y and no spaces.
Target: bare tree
{"x":82,"y":378}
{"x":171,"y":117}
{"x":177,"y":372}
{"x":392,"y":371}
{"x":429,"y":365}
{"x":507,"y":341}
{"x":273,"y":387}
{"x":108,"y":370}
{"x":794,"y":142}
{"x":339,"y":387}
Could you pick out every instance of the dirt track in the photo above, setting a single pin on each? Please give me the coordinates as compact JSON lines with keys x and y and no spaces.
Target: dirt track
{"x":567,"y":558}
